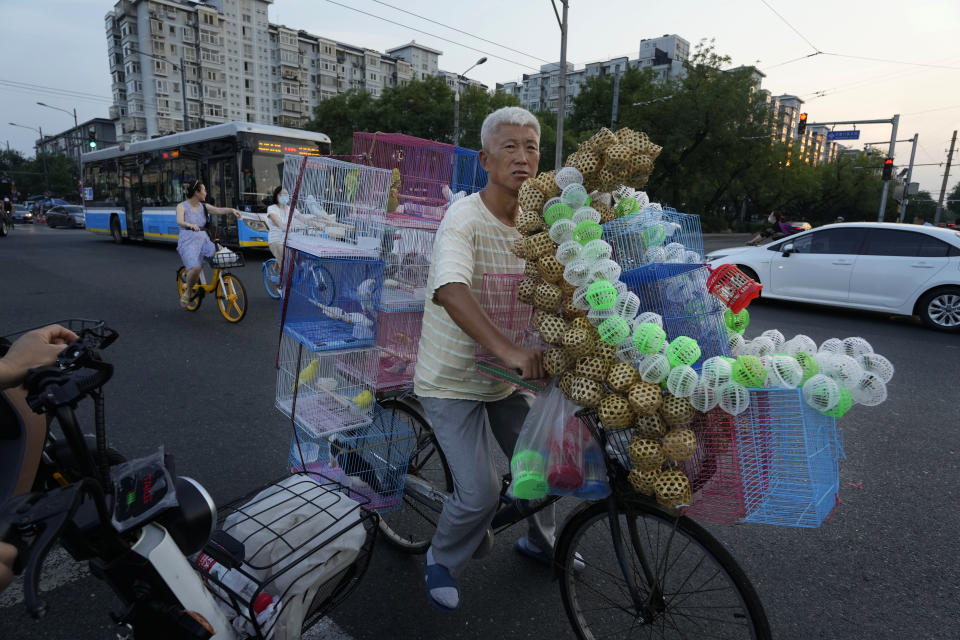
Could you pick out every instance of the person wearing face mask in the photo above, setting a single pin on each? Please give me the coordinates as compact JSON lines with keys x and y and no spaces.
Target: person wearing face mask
{"x":277,"y":215}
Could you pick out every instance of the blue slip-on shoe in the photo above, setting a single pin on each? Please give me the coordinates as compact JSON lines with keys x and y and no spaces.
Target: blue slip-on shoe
{"x":443,"y":590}
{"x":529,"y":549}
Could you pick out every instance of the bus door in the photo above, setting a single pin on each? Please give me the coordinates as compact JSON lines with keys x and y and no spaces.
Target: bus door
{"x":130,"y":190}
{"x":222,"y":191}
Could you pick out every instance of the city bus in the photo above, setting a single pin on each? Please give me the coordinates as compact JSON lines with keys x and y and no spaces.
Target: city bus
{"x":137,"y":186}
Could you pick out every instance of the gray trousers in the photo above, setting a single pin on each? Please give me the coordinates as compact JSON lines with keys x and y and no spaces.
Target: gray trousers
{"x":464,"y":429}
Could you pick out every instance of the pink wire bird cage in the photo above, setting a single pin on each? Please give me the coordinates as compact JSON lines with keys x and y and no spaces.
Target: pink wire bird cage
{"x":422,"y":168}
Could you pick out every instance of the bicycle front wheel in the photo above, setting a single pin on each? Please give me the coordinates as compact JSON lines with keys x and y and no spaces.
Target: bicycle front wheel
{"x":271,"y":278}
{"x":686,"y":584}
{"x":428,"y":483}
{"x":232,"y":298}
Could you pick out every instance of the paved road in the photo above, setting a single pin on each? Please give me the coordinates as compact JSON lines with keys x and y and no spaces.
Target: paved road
{"x":884,"y":567}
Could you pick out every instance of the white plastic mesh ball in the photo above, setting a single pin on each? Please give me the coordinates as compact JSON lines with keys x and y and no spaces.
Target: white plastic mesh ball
{"x":586,"y":213}
{"x":692,"y":257}
{"x":776,"y":337}
{"x":655,"y":369}
{"x":569,"y":251}
{"x":878,"y":364}
{"x":650,"y":316}
{"x":800,"y":343}
{"x":783,"y":371}
{"x":642,"y":198}
{"x":579,"y":299}
{"x":605,"y":269}
{"x":562,"y":230}
{"x":675,"y":252}
{"x":549,"y":203}
{"x":629,"y":353}
{"x":680,"y":290}
{"x":620,"y":285}
{"x":715,"y":372}
{"x":869,"y":390}
{"x":760,"y":346}
{"x":577,"y":272}
{"x":821,"y":392}
{"x":671,"y":228}
{"x":656,"y":254}
{"x":627,"y":305}
{"x":597,"y":250}
{"x":681,"y":381}
{"x":856,"y":347}
{"x":843,"y":369}
{"x":734,"y":398}
{"x":574,"y":195}
{"x":703,"y":397}
{"x":736,"y":344}
{"x":596,"y":316}
{"x":832,"y":345}
{"x":567,"y":176}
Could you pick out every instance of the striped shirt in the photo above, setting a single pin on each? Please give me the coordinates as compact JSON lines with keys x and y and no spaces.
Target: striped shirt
{"x":470,"y":242}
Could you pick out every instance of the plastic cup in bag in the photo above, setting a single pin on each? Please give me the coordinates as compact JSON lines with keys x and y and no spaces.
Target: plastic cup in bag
{"x":566,"y":458}
{"x":596,"y":486}
{"x":528,"y":469}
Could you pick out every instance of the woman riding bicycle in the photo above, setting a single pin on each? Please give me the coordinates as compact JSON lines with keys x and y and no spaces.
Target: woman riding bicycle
{"x":277,"y":217}
{"x":194,"y":244}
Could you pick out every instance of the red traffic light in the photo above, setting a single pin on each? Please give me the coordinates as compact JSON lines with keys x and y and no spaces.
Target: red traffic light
{"x":802,"y":125}
{"x":803,"y":117}
{"x":887,"y":169}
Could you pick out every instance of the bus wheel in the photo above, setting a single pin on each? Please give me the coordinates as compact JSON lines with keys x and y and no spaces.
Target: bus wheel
{"x":115,"y":231}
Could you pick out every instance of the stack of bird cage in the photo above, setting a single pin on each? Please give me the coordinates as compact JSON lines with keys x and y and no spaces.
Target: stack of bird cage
{"x":468,"y":176}
{"x":328,"y":357}
{"x":421,"y":170}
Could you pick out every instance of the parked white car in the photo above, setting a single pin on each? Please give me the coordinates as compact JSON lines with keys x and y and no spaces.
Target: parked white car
{"x":895,"y":268}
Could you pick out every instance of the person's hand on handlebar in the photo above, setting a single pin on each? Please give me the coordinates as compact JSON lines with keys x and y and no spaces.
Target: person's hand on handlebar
{"x":8,"y":554}
{"x":33,"y":349}
{"x":528,"y":361}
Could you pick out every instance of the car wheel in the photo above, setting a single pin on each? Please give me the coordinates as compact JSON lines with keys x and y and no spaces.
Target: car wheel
{"x":940,"y":309}
{"x":115,"y":231}
{"x":3,"y":229}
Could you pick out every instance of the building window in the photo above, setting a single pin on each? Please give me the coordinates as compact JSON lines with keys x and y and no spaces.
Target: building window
{"x":162,"y":86}
{"x":246,"y":17}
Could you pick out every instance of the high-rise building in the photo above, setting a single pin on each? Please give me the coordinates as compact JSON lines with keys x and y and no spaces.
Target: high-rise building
{"x":541,"y":91}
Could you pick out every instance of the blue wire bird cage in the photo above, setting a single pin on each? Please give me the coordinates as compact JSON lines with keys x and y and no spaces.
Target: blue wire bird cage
{"x":468,"y":175}
{"x":654,"y":235}
{"x":678,"y":292}
{"x":333,"y":301}
{"x":789,"y":455}
{"x":369,"y":461}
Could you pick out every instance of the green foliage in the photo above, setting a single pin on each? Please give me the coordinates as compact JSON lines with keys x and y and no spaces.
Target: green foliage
{"x":33,"y":175}
{"x":423,"y":109}
{"x":954,"y":206}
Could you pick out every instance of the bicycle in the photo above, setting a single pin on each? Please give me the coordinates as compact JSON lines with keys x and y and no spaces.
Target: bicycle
{"x":230,"y":294}
{"x":137,"y":522}
{"x":646,"y":567}
{"x":321,"y":287}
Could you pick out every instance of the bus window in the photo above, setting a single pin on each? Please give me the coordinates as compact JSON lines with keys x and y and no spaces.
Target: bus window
{"x":104,"y":180}
{"x":261,"y":174}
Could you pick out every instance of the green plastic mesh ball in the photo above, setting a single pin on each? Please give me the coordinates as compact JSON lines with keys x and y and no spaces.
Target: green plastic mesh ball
{"x":614,"y":330}
{"x":648,"y":338}
{"x":654,"y":236}
{"x":736,"y":321}
{"x":749,"y":371}
{"x":843,"y":405}
{"x":556,"y":212}
{"x":626,"y":206}
{"x":684,"y":351}
{"x":808,"y":364}
{"x":586,"y":231}
{"x":601,"y":294}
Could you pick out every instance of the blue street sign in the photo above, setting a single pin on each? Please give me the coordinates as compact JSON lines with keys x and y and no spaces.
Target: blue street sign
{"x":843,"y":135}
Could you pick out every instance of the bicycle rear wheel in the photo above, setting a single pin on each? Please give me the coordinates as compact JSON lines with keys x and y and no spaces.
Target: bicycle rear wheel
{"x":688,"y":585}
{"x":271,"y":278}
{"x":231,"y":298}
{"x":410,"y":528}
{"x":182,"y":286}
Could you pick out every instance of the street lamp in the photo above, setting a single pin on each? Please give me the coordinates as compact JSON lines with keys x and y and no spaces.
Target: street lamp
{"x":456,"y":102}
{"x":43,"y":157}
{"x":76,"y":132}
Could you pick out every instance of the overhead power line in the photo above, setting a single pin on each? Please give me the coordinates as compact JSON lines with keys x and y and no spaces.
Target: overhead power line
{"x":433,"y":35}
{"x":13,"y":84}
{"x":795,"y":30}
{"x":466,"y":33}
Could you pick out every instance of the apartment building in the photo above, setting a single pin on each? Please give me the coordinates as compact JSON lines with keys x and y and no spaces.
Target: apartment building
{"x":541,"y":91}
{"x":425,"y":63}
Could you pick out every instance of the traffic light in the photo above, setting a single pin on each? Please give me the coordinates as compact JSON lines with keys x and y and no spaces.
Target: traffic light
{"x":92,"y":138}
{"x":802,"y":125}
{"x":887,"y":169}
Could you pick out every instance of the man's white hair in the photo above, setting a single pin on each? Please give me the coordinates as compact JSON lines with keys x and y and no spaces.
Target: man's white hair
{"x":506,"y":115}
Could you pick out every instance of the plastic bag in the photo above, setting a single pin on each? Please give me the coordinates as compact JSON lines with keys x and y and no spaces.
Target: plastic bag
{"x":531,"y":456}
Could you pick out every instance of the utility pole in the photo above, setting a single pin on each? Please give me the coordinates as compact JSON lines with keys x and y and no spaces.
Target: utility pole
{"x":562,"y":103}
{"x":616,"y":100}
{"x":886,"y":183}
{"x":946,"y":176}
{"x":183,"y":92}
{"x":904,"y":199}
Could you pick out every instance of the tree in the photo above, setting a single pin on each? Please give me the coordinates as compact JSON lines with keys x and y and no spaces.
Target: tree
{"x":33,"y":175}
{"x":953,"y":202}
